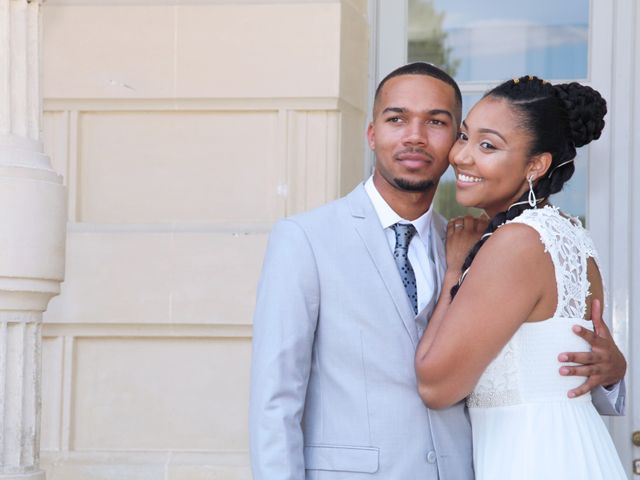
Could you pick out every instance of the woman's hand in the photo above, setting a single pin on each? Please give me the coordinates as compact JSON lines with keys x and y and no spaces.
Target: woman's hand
{"x":462,"y":235}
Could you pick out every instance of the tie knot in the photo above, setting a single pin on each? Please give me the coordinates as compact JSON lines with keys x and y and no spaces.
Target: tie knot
{"x":404,"y":234}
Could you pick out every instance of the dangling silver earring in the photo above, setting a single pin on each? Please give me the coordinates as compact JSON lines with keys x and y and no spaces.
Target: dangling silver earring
{"x":533,"y":201}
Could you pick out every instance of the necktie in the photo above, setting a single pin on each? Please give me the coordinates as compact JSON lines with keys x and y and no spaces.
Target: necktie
{"x":404,"y":234}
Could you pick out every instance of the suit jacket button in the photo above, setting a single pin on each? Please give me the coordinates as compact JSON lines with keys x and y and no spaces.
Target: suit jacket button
{"x":431,"y":457}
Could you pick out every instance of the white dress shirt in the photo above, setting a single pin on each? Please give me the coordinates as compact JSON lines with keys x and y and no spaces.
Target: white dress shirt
{"x":420,"y":255}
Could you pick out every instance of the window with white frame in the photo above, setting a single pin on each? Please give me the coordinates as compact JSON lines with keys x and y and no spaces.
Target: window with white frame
{"x":482,"y":43}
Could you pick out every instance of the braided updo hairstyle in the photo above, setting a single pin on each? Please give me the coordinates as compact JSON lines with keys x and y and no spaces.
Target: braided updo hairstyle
{"x":558,"y":118}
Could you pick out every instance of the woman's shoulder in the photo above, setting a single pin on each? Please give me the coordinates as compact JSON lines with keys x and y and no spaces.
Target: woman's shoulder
{"x":511,"y":255}
{"x":515,"y":236}
{"x":514,"y":240}
{"x":553,"y":227}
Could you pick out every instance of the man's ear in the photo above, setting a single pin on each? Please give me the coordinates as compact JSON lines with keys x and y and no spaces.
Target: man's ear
{"x":371,"y":136}
{"x":539,"y":165}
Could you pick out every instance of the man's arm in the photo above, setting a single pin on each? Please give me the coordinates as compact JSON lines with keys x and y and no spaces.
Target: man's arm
{"x":604,"y":366}
{"x":283,"y":332}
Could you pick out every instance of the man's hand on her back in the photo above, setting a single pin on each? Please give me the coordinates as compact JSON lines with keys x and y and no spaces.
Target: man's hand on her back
{"x":604,"y":365}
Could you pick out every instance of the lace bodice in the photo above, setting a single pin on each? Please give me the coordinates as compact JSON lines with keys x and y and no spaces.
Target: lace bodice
{"x":527,"y":368}
{"x":570,"y":246}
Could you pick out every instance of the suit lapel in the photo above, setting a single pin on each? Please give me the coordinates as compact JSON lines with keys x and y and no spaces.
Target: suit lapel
{"x":368,"y":226}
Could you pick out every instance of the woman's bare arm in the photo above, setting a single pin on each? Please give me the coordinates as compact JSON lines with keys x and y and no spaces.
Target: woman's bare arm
{"x":508,"y":279}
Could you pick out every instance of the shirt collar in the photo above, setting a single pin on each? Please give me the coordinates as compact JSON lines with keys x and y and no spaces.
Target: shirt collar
{"x":389,"y":217}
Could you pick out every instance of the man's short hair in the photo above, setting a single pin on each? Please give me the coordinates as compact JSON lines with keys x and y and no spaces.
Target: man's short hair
{"x":421,"y":68}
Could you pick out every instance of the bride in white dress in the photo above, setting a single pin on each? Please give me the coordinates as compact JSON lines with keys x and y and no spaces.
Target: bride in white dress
{"x":523,"y":287}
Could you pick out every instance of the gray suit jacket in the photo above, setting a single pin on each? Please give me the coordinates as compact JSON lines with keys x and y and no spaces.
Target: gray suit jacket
{"x":334,"y":392}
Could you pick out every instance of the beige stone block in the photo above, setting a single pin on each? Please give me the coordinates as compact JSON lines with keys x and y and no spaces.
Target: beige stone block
{"x":276,"y":50}
{"x":354,"y":56}
{"x":59,"y":470}
{"x":108,"y":51}
{"x":147,"y":277}
{"x":56,"y":141}
{"x":164,"y":167}
{"x":220,"y":50}
{"x":361,"y":6}
{"x":313,"y":159}
{"x":215,"y":277}
{"x":52,"y":374}
{"x":164,"y":393}
{"x":352,"y":150}
{"x":143,"y":465}
{"x":115,"y":277}
{"x":209,"y":472}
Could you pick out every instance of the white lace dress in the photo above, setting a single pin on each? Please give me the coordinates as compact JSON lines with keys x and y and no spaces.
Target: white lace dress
{"x":524,"y":425}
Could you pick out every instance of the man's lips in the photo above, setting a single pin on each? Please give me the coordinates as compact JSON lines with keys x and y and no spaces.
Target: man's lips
{"x":413,"y":157}
{"x":413,"y":160}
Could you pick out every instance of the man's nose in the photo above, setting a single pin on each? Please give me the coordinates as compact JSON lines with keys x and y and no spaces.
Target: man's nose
{"x":416,"y":133}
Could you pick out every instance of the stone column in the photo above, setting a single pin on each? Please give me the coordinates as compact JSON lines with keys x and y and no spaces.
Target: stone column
{"x":32,"y":239}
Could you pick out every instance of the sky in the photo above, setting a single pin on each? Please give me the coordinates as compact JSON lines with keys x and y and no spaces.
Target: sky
{"x":505,"y":38}
{"x":548,"y":12}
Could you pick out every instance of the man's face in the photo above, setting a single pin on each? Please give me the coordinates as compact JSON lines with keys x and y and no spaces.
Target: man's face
{"x":491,"y":157}
{"x":414,"y":126}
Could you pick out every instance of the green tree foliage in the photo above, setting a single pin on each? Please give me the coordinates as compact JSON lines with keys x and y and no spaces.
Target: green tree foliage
{"x":427,"y":39}
{"x":445,"y":202}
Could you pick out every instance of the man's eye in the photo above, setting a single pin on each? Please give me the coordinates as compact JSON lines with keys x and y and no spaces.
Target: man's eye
{"x":436,"y":122}
{"x":394,"y":119}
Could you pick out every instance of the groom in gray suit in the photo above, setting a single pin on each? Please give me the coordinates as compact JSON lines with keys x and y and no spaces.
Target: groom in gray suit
{"x":345,"y":293}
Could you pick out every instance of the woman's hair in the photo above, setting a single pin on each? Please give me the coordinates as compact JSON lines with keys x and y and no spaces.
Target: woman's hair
{"x":558,"y":118}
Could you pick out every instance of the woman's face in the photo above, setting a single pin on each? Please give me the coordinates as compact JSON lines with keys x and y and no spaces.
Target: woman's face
{"x":490,"y":157}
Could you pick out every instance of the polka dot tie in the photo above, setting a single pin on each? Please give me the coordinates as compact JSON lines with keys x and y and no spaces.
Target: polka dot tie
{"x":404,"y":234}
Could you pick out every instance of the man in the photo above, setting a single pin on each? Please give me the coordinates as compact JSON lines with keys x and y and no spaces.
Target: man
{"x":344,"y":297}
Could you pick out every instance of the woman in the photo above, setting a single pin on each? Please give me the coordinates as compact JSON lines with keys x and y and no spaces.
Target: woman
{"x":530,"y":278}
